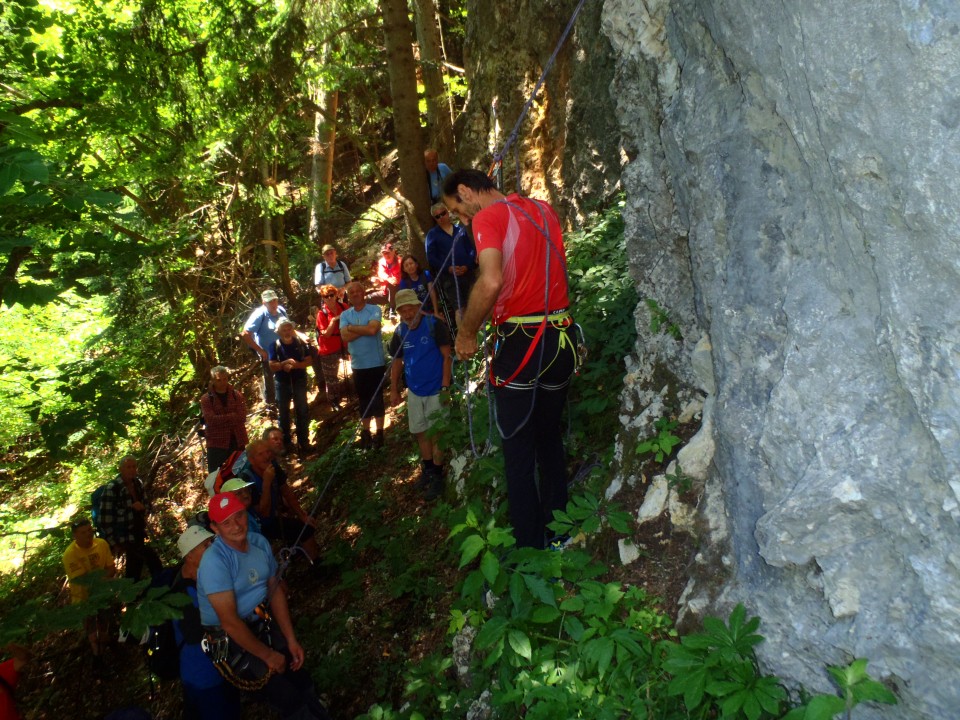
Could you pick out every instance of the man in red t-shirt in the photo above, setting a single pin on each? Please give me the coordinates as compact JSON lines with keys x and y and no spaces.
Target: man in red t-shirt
{"x":522,"y":287}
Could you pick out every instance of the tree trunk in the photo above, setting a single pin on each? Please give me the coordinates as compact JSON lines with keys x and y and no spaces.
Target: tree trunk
{"x":398,"y":38}
{"x":431,"y":67}
{"x":267,"y":225}
{"x":321,"y":167}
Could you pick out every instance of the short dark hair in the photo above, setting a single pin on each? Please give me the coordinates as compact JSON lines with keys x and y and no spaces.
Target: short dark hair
{"x":78,"y":523}
{"x":473,"y":179}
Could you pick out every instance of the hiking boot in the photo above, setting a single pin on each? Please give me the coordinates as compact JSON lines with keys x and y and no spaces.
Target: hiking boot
{"x":378,"y":439}
{"x":426,"y":475}
{"x":365,"y":440}
{"x":434,"y":489}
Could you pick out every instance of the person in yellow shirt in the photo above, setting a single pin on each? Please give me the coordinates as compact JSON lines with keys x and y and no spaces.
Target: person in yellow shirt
{"x":85,"y":554}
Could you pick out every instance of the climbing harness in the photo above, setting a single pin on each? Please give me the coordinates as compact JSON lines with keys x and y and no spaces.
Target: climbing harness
{"x":238,"y":666}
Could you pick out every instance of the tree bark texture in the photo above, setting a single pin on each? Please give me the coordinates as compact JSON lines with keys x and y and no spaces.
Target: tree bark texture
{"x":439,"y":122}
{"x":322,"y":157}
{"x":398,"y":38}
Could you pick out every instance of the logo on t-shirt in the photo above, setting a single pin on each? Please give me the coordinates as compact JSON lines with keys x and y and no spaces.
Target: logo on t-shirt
{"x":253,"y":576}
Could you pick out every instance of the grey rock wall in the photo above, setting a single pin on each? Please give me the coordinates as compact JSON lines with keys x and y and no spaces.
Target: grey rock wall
{"x":793,"y":185}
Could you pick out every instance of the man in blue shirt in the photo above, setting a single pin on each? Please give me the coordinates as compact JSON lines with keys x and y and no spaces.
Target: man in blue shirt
{"x":331,"y":271}
{"x":360,"y":329}
{"x":421,"y":348}
{"x":260,"y":332}
{"x":238,"y":575}
{"x":452,"y":257}
{"x":205,"y":695}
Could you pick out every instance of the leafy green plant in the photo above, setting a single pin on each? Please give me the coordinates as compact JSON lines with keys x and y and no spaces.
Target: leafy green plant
{"x":717,"y":669}
{"x":659,"y":320}
{"x":663,"y":443}
{"x":856,"y":686}
{"x":679,"y":480}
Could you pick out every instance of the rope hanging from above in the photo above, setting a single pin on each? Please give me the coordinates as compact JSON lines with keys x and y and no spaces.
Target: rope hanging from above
{"x":512,"y":137}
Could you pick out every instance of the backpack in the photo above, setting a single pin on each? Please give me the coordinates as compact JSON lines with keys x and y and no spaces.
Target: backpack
{"x":217,"y":478}
{"x":95,"y":497}
{"x":340,"y":268}
{"x":163,"y":652}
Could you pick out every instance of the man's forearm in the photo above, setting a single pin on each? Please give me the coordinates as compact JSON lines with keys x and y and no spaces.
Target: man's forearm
{"x":482,"y":299}
{"x":243,"y":636}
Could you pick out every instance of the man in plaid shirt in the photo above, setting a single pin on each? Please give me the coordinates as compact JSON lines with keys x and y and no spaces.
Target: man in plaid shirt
{"x":123,"y":520}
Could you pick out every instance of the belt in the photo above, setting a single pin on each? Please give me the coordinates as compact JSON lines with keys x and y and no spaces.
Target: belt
{"x":557,"y":316}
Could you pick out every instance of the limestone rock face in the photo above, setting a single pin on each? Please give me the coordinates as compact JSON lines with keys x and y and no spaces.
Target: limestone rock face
{"x":793,"y":185}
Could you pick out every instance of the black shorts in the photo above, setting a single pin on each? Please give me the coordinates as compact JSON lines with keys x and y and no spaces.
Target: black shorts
{"x":369,"y":385}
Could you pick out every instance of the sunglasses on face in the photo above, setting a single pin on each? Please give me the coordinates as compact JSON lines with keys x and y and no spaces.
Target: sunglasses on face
{"x":331,"y":295}
{"x":439,"y":214}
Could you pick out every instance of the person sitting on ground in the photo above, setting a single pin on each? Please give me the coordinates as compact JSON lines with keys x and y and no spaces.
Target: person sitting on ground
{"x":330,"y":345}
{"x":388,"y":275}
{"x":331,"y":271}
{"x":86,"y":554}
{"x":452,"y":257}
{"x":239,"y":589}
{"x":421,"y":282}
{"x":205,"y":694}
{"x":421,"y":349}
{"x":123,"y":520}
{"x":225,"y":418}
{"x":289,"y":360}
{"x":275,"y":503}
{"x":243,"y":489}
{"x":436,"y":172}
{"x":259,"y":333}
{"x":10,"y":670}
{"x":360,"y":329}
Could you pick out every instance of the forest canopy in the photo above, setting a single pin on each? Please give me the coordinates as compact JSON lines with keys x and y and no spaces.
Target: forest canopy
{"x":163,"y":161}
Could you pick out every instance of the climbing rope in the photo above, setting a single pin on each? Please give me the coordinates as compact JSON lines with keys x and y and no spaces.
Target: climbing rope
{"x":512,"y":137}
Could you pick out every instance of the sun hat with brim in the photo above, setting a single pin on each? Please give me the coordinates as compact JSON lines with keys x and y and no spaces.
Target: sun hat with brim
{"x":285,"y":321}
{"x":268,"y":295}
{"x":234,"y":484}
{"x":407,"y":297}
{"x":190,"y":538}
{"x":327,"y":248}
{"x":223,"y":505}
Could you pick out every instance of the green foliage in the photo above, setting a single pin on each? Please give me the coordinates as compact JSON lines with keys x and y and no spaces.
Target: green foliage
{"x":856,"y":687}
{"x":717,"y":669}
{"x":33,"y":620}
{"x":603,"y":298}
{"x":680,"y":481}
{"x":659,"y":320}
{"x":663,"y":443}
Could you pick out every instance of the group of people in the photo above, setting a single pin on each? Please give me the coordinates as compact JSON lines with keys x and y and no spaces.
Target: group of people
{"x":514,"y":275}
{"x":237,"y":635}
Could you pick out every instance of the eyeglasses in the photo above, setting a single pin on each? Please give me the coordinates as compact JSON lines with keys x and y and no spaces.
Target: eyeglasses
{"x":439,"y":214}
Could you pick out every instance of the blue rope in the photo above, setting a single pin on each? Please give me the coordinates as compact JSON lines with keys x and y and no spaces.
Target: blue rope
{"x":498,"y":158}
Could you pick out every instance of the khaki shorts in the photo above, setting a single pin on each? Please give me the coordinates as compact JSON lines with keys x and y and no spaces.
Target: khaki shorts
{"x":422,"y":412}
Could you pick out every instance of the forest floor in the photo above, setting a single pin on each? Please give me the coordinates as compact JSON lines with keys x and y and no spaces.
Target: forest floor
{"x":381,"y":601}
